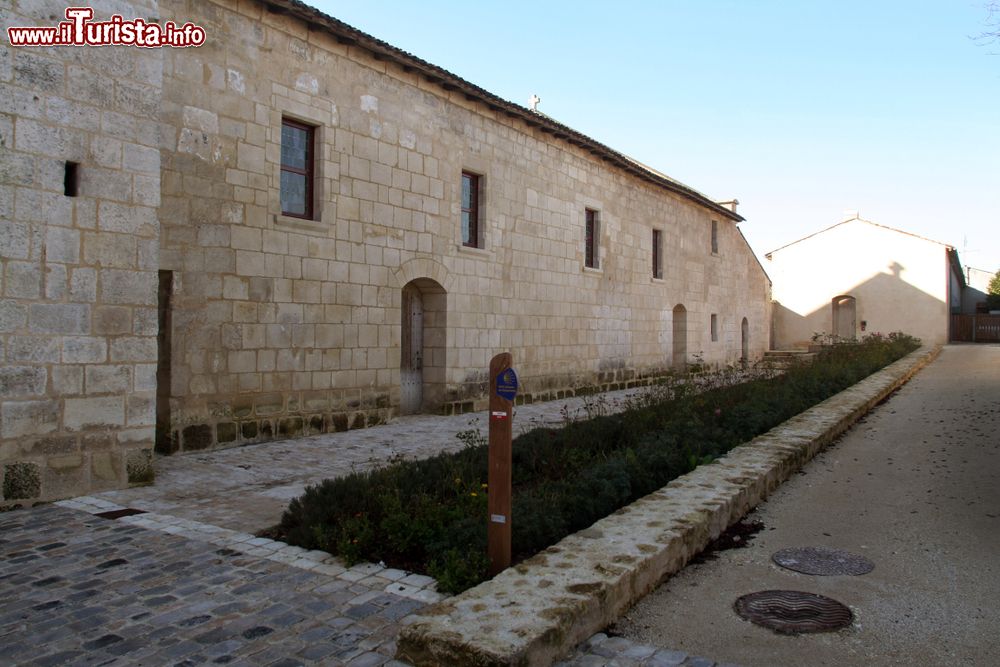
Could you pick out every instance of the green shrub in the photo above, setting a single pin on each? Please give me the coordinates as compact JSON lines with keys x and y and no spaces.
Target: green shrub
{"x":430,"y":515}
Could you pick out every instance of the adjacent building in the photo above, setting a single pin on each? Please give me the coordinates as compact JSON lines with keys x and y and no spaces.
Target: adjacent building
{"x":859,"y":277}
{"x":974,"y":299}
{"x":297,"y":228}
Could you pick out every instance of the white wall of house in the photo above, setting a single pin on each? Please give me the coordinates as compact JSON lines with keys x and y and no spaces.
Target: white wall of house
{"x":900,"y":282}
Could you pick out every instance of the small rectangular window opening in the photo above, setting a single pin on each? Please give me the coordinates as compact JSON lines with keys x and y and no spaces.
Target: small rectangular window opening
{"x":296,"y":169}
{"x":71,"y":179}
{"x":592,"y":236}
{"x":715,"y":237}
{"x":470,"y":210}
{"x":657,"y":253}
{"x":715,"y":327}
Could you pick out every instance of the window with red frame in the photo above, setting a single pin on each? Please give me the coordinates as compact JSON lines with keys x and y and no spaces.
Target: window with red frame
{"x":296,"y":169}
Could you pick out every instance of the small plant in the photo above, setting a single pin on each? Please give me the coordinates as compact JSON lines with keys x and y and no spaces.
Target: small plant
{"x":697,"y":365}
{"x":595,"y":405}
{"x":829,"y":339}
{"x":472,"y":438}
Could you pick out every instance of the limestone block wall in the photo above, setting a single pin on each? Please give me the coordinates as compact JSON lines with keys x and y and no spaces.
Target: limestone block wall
{"x":282,"y":326}
{"x":78,"y":317}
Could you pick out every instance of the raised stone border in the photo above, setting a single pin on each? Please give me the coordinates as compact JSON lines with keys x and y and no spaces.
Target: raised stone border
{"x":537,"y":611}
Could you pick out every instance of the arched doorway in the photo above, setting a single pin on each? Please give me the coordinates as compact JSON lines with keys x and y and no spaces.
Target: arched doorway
{"x":745,"y":341}
{"x":423,"y":345}
{"x":680,"y":338}
{"x":845,"y":317}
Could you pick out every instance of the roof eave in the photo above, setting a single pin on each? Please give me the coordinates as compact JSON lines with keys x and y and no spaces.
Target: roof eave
{"x":380,"y":50}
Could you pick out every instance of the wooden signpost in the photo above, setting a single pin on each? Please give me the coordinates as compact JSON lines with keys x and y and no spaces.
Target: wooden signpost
{"x":503,"y":389}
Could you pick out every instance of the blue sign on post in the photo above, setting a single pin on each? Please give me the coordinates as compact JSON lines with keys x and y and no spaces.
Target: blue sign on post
{"x":507,"y":384}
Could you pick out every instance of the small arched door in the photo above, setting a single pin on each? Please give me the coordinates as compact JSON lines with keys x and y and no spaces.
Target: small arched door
{"x":423,"y":355}
{"x":845,"y":317}
{"x":680,"y":338}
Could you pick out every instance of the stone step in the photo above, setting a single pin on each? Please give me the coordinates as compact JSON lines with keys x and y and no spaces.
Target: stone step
{"x":786,"y":358}
{"x":783,"y":354}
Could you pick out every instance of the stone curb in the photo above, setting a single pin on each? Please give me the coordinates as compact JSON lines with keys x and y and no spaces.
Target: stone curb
{"x":536,"y":612}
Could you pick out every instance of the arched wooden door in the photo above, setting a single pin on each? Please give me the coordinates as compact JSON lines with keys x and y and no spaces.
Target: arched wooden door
{"x":423,"y":343}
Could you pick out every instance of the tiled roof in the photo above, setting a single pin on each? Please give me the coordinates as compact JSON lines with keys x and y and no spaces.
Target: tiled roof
{"x":380,"y":50}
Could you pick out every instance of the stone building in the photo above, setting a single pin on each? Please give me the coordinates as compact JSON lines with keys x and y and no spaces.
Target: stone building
{"x":297,"y":228}
{"x":859,"y":277}
{"x":79,"y":250}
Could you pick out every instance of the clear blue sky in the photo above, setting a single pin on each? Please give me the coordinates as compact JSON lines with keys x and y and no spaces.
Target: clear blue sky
{"x":801,"y":110}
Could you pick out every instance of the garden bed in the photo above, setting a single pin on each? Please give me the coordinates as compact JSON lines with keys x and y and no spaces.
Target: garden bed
{"x":430,"y":516}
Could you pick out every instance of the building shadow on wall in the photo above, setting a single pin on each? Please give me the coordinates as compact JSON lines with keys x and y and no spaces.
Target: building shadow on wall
{"x":884,"y":303}
{"x":974,"y":301}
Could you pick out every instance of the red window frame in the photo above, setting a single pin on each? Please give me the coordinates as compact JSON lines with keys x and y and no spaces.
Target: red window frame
{"x":591,"y":236}
{"x":307,"y":172}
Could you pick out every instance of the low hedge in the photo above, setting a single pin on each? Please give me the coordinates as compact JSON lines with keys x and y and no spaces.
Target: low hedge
{"x":430,"y":515}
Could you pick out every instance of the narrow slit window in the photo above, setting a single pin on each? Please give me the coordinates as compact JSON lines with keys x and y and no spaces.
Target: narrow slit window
{"x":715,"y":327}
{"x":592,"y":239}
{"x":470,"y":210}
{"x":296,"y":169}
{"x":657,"y":253}
{"x":71,"y":179}
{"x":715,"y":237}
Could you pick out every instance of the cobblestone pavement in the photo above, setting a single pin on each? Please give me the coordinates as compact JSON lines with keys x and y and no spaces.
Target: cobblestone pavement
{"x":186,"y":582}
{"x":83,"y":590}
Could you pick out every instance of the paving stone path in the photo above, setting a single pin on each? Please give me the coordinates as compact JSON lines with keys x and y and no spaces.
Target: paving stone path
{"x":83,"y":590}
{"x":186,"y":582}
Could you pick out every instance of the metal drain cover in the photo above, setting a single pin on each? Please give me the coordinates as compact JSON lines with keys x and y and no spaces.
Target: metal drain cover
{"x":822,"y":561}
{"x":793,"y":612}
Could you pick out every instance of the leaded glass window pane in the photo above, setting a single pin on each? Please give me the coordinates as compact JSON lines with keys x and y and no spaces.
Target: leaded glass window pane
{"x":294,"y":147}
{"x":293,"y":193}
{"x":296,"y":169}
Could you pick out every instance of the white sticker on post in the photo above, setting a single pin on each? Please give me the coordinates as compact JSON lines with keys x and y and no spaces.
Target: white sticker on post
{"x":499,"y":414}
{"x":498,"y":518}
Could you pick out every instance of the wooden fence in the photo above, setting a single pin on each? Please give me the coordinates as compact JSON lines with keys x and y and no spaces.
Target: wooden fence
{"x":975,"y":328}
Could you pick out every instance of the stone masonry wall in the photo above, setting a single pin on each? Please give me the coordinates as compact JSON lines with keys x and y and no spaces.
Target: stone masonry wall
{"x":282,"y":326}
{"x":78,"y":318}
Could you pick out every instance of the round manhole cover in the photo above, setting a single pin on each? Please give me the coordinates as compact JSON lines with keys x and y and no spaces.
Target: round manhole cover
{"x":822,"y":561}
{"x":793,"y":612}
